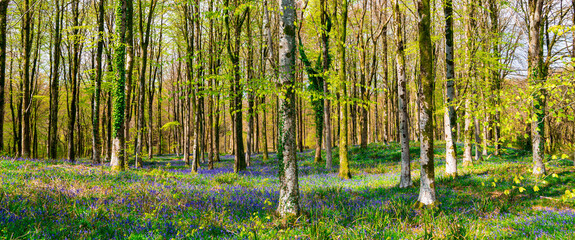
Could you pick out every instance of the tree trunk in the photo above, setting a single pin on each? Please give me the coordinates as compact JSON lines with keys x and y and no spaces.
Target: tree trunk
{"x":122,"y":20}
{"x":197,"y":96}
{"x":76,"y":50}
{"x":236,"y":105}
{"x":250,"y":89}
{"x":27,"y":37}
{"x":288,"y":174}
{"x":405,"y":178}
{"x":54,"y":85}
{"x":467,"y":129}
{"x":450,"y":119}
{"x":3,"y":21}
{"x":129,"y":73}
{"x":326,"y":28}
{"x":344,"y":172}
{"x":536,"y":78}
{"x":144,"y":42}
{"x":426,"y":83}
{"x":97,"y":87}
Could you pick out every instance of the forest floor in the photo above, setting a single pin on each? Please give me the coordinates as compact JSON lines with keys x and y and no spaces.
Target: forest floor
{"x":495,"y":198}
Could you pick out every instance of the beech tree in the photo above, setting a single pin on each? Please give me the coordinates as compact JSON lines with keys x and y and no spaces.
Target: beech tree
{"x":426,"y":107}
{"x":536,"y":79}
{"x":288,"y":174}
{"x":342,"y":78}
{"x":405,"y":178}
{"x":450,"y":120}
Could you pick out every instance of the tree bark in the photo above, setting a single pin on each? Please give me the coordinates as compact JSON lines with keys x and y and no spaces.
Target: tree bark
{"x":326,"y":28}
{"x":536,"y":78}
{"x":236,"y":105}
{"x":288,"y":173}
{"x":250,"y":89}
{"x":144,"y":42}
{"x":344,"y":172}
{"x":405,"y":178}
{"x":450,"y":118}
{"x":75,"y":59}
{"x":96,"y":142}
{"x":54,"y":85}
{"x":3,"y":35}
{"x":27,"y":39}
{"x":467,"y":129}
{"x":426,"y":86}
{"x":129,"y":73}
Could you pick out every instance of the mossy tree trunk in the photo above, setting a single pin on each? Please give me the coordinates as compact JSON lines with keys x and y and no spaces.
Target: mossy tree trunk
{"x":119,"y":94}
{"x":344,"y":171}
{"x":288,"y":174}
{"x":495,"y":76}
{"x":326,"y":28}
{"x":426,"y":86}
{"x":450,"y":118}
{"x":315,"y":88}
{"x":536,"y":78}
{"x":250,"y":89}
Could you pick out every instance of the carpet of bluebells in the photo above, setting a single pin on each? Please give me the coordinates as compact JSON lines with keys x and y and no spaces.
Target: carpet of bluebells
{"x":496,"y":198}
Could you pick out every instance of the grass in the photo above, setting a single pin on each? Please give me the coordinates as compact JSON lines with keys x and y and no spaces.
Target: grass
{"x":495,"y":198}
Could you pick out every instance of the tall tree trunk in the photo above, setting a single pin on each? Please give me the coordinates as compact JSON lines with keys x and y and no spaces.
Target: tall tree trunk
{"x":426,"y":86}
{"x":467,"y":129}
{"x":109,"y":114}
{"x":118,"y":162}
{"x":3,"y":20}
{"x":344,"y":172}
{"x":97,"y":88}
{"x":76,"y":46}
{"x":405,"y":178}
{"x":188,"y":103}
{"x":211,"y":87}
{"x":250,"y":89}
{"x":326,"y":28}
{"x":54,"y":85}
{"x":129,"y":74}
{"x":151,"y":92}
{"x":267,"y":57}
{"x":536,"y":78}
{"x":197,"y":96}
{"x":27,"y":37}
{"x":144,"y":42}
{"x":159,"y":107}
{"x":495,"y":76}
{"x":450,"y":118}
{"x":236,"y":106}
{"x":315,"y":87}
{"x":363,"y":87}
{"x":288,"y":174}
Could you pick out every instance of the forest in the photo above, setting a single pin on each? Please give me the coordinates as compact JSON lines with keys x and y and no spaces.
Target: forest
{"x":287,"y":119}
